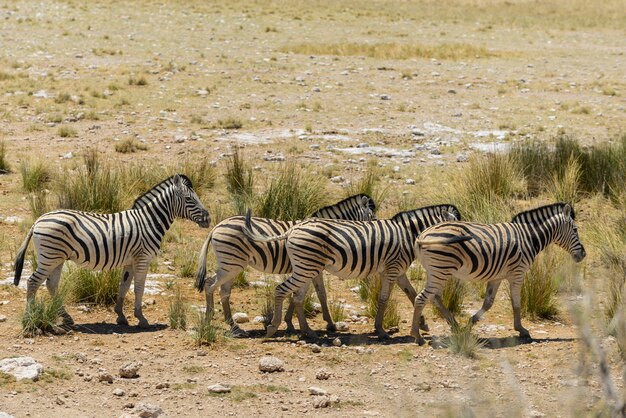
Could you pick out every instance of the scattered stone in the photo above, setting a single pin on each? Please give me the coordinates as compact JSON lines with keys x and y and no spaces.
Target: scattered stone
{"x":342,"y":326}
{"x":409,"y":181}
{"x":322,"y":374}
{"x":240,"y":318}
{"x":423,"y":387}
{"x":274,"y":157}
{"x":13,"y":220}
{"x":67,"y":156}
{"x":219,"y":388}
{"x":271,"y":364}
{"x":316,"y":89}
{"x":321,"y":402}
{"x":315,"y":391}
{"x":337,"y":342}
{"x":533,"y":413}
{"x":5,"y":415}
{"x":163,"y":385}
{"x":362,"y":145}
{"x":3,"y":318}
{"x":385,"y":97}
{"x":129,"y":370}
{"x":105,"y":377}
{"x":179,"y":139}
{"x":202,"y":92}
{"x":337,"y":179}
{"x":150,"y":301}
{"x":146,"y":410}
{"x":258,"y":319}
{"x":22,"y":368}
{"x":316,"y":348}
{"x":461,"y":158}
{"x":118,"y":392}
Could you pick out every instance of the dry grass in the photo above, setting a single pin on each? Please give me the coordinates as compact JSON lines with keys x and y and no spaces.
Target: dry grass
{"x":130,"y":145}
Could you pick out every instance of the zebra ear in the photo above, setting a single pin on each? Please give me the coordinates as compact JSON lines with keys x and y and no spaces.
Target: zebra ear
{"x":365,"y":201}
{"x":448,"y":216}
{"x":567,"y":211}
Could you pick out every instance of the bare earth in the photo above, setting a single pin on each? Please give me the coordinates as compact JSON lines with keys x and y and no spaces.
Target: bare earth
{"x":204,"y":64}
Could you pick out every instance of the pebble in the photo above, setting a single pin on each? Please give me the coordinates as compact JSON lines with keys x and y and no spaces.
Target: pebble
{"x":105,"y":377}
{"x":321,"y":402}
{"x":337,"y":342}
{"x":129,"y":370}
{"x":342,"y":326}
{"x":150,"y":301}
{"x":258,"y":319}
{"x":271,"y":364}
{"x":3,"y":318}
{"x":409,"y":181}
{"x":219,"y":388}
{"x":146,"y":410}
{"x":22,"y":368}
{"x":240,"y":318}
{"x":316,"y":391}
{"x":163,"y":385}
{"x":337,"y":179}
{"x":322,"y":374}
{"x":385,"y":97}
{"x":424,"y":387}
{"x":118,"y":392}
{"x":315,"y":348}
{"x":461,"y":158}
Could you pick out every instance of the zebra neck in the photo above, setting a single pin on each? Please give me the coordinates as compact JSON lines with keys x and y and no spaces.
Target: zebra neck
{"x":540,"y":235}
{"x":160,"y":213}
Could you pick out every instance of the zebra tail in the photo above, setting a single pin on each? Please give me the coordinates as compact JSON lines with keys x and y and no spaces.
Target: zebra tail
{"x":250,"y":234}
{"x":19,"y":260}
{"x":444,"y":241}
{"x":201,"y":275}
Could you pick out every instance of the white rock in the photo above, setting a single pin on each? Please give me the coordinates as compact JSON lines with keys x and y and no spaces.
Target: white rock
{"x":5,"y":415}
{"x":321,"y":402}
{"x":67,"y":156}
{"x":409,"y":181}
{"x":3,"y":318}
{"x":316,"y":348}
{"x":241,"y":317}
{"x":11,"y":220}
{"x":146,"y":410}
{"x":118,"y":392}
{"x":258,"y":319}
{"x":219,"y":388}
{"x":337,"y":342}
{"x":461,"y":158}
{"x":337,"y":179}
{"x":105,"y":377}
{"x":271,"y":364}
{"x":129,"y":370}
{"x":342,"y":326}
{"x":322,"y":374}
{"x":315,"y":391}
{"x":22,"y":368}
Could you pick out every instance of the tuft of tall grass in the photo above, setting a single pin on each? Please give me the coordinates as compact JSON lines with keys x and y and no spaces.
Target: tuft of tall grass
{"x":239,"y":182}
{"x":186,"y":261}
{"x":294,"y":194}
{"x":369,"y":184}
{"x":38,"y":203}
{"x":453,"y":294}
{"x":42,"y":314}
{"x":463,"y":341}
{"x":67,"y":132}
{"x":4,"y":164}
{"x":337,"y":310}
{"x":230,"y":123}
{"x":36,"y":175}
{"x":199,"y":171}
{"x":394,"y":51}
{"x":204,"y":332}
{"x":241,"y":281}
{"x":564,"y":186}
{"x":99,"y":288}
{"x":540,"y":287}
{"x":92,"y":186}
{"x":178,"y":311}
{"x":391,"y":317}
{"x":267,"y":303}
{"x":130,"y":145}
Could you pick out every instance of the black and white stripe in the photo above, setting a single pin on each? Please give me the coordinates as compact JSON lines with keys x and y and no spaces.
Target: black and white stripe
{"x":234,"y":252}
{"x":352,"y":250}
{"x":492,"y":253}
{"x":128,"y":239}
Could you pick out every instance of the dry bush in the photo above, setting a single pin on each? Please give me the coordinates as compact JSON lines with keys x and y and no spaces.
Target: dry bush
{"x":370,"y":185}
{"x":4,"y":164}
{"x":178,"y":311}
{"x":463,"y":341}
{"x":239,"y":182}
{"x":98,"y":288}
{"x":130,"y":145}
{"x":540,"y":287}
{"x":453,"y":294}
{"x":36,"y":175}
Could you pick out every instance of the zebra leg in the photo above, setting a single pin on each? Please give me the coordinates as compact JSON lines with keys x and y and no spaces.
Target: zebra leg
{"x":516,"y":301}
{"x":53,"y":285}
{"x":383,"y":298}
{"x":127,"y":279}
{"x":34,"y":281}
{"x":492,"y":289}
{"x":292,"y":284}
{"x":427,"y":294}
{"x":410,"y":292}
{"x":289,"y":317}
{"x":225,"y":290}
{"x":320,"y":289}
{"x":141,"y":270}
{"x":298,"y":302}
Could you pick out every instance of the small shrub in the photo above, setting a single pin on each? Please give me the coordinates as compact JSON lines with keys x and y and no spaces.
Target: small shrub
{"x":267,"y":303}
{"x":564,"y":186}
{"x":38,"y":203}
{"x":141,"y":81}
{"x":204,"y":332}
{"x":42,"y":314}
{"x":230,"y":123}
{"x":309,"y":305}
{"x":99,"y":288}
{"x":67,"y":132}
{"x":186,"y":261}
{"x":178,"y":312}
{"x":199,"y":171}
{"x":294,"y":194}
{"x":337,"y":311}
{"x":239,"y":182}
{"x":391,"y":317}
{"x":240,"y":280}
{"x":130,"y":145}
{"x":463,"y":341}
{"x":539,"y":291}
{"x":369,"y":184}
{"x":35,"y":175}
{"x":452,"y":296}
{"x":4,"y":164}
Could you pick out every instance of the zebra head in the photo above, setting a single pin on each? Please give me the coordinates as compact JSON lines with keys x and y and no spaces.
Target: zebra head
{"x":368,"y":208}
{"x":188,"y":203}
{"x":567,"y":234}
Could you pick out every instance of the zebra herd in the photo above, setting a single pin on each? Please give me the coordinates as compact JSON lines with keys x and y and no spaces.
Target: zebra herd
{"x":344,"y":239}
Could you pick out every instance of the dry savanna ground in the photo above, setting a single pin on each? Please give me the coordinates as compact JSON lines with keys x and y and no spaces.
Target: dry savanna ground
{"x":417,"y":103}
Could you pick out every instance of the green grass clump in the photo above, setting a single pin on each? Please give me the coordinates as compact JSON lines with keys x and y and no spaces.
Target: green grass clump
{"x":38,"y":203}
{"x":178,"y":312}
{"x":204,"y":332}
{"x":186,"y":261}
{"x":4,"y":164}
{"x":394,"y":51}
{"x":241,"y":281}
{"x":453,"y":294}
{"x":42,"y":314}
{"x":337,"y":311}
{"x":463,"y":341}
{"x":130,"y":145}
{"x":141,"y":81}
{"x":230,"y":123}
{"x":239,"y":183}
{"x":36,"y":175}
{"x":67,"y":132}
{"x":199,"y":171}
{"x":540,"y":288}
{"x":564,"y":186}
{"x":369,"y":184}
{"x":99,"y":288}
{"x":92,"y":186}
{"x":391,"y":317}
{"x":293,"y":194}
{"x":267,"y":303}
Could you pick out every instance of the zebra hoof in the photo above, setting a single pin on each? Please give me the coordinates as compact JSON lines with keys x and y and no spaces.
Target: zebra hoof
{"x":420,"y":341}
{"x":237,"y":332}
{"x":122,"y":321}
{"x":68,"y":321}
{"x":423,"y":325}
{"x":383,"y":336}
{"x":143,"y":324}
{"x":331,"y":327}
{"x":291,"y":330}
{"x":271,"y":330}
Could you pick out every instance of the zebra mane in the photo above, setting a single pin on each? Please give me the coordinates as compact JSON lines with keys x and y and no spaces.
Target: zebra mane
{"x":527,"y":216}
{"x":370,"y":204}
{"x":450,"y":208}
{"x":140,"y":201}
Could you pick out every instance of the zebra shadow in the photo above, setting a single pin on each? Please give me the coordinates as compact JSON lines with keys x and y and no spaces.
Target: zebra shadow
{"x":329,"y":338}
{"x":100,"y":328}
{"x":507,"y":342}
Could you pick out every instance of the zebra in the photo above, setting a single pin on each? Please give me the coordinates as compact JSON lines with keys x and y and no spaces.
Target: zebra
{"x":128,"y":239}
{"x":233,"y":252}
{"x":352,"y":250}
{"x":491,"y":253}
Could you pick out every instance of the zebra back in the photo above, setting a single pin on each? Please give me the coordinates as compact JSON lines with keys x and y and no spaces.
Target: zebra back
{"x":541,"y":214}
{"x":359,"y":207}
{"x":417,"y":220}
